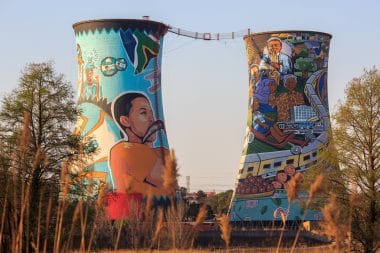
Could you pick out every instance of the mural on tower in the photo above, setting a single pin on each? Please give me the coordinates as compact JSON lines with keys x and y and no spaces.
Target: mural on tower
{"x":119,"y":96}
{"x":287,"y":124}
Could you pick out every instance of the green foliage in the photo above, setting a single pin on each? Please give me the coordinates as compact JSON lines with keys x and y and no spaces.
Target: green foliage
{"x":305,"y":64}
{"x":201,"y":196}
{"x":192,"y":211}
{"x":220,"y":202}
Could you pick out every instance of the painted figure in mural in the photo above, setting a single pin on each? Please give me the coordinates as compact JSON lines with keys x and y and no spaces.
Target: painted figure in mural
{"x":290,"y":170}
{"x":80,"y":63}
{"x":254,"y":79}
{"x":136,"y":166}
{"x":265,"y":92}
{"x":91,"y":86}
{"x":80,"y":59}
{"x":255,"y":74}
{"x":289,"y":99}
{"x":264,"y":127}
{"x":274,"y":62}
{"x":262,"y":90}
{"x":282,"y":177}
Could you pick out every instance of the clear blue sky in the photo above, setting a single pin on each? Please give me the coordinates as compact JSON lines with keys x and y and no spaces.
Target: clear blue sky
{"x":205,"y":83}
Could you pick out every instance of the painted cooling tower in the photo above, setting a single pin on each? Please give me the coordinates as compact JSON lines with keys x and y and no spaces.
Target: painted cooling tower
{"x":288,"y":120}
{"x":119,"y":95}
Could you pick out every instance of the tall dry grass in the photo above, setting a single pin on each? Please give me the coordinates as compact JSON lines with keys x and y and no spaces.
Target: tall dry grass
{"x":292,"y":190}
{"x":314,"y":188}
{"x":294,"y":186}
{"x":159,"y":227}
{"x":225,"y":229}
{"x":201,"y":216}
{"x":3,"y":212}
{"x":18,"y":218}
{"x":65,"y":224}
{"x":119,"y":227}
{"x":171,"y":174}
{"x":332,"y":225}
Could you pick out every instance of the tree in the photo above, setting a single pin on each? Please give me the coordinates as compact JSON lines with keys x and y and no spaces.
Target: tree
{"x":201,"y":196}
{"x":305,"y":65}
{"x":220,"y":202}
{"x":357,"y":141}
{"x":42,"y":111}
{"x":183,"y":191}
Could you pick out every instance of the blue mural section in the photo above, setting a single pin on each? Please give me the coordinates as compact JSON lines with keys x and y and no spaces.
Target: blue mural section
{"x":287,"y":122}
{"x":119,"y":96}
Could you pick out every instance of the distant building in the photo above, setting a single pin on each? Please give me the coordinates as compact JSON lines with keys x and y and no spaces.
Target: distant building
{"x":302,"y":113}
{"x":209,"y":194}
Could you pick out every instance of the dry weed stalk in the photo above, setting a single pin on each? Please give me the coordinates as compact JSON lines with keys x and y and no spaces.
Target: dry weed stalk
{"x":225,"y":229}
{"x":314,"y":188}
{"x":120,"y":225}
{"x":332,"y":226}
{"x":170,"y":185}
{"x":47,"y":223}
{"x":292,"y":189}
{"x":83,"y":226}
{"x":17,"y":165}
{"x":25,"y":195}
{"x":201,"y":216}
{"x":98,"y":208}
{"x":61,"y":208}
{"x":159,"y":226}
{"x":77,"y":210}
{"x":352,"y":200}
{"x":294,"y":186}
{"x":37,"y":245}
{"x":3,"y":214}
{"x":148,"y":206}
{"x":147,"y":222}
{"x":170,"y":174}
{"x":283,"y":219}
{"x":135,"y":228}
{"x":172,"y":224}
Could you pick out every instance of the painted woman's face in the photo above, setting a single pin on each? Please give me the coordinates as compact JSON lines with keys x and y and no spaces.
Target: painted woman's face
{"x":140,"y":117}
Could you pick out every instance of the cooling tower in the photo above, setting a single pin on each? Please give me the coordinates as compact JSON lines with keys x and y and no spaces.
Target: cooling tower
{"x":119,"y":96}
{"x":287,"y":125}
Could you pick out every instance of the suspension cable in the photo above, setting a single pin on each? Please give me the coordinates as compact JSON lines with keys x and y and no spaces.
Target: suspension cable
{"x":209,"y":36}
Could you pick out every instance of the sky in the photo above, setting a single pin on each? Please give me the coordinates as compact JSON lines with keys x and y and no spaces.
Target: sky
{"x":205,"y":83}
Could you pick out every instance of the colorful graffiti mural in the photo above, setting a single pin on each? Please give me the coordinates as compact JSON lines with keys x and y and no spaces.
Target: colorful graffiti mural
{"x":287,"y":121}
{"x":119,"y":96}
